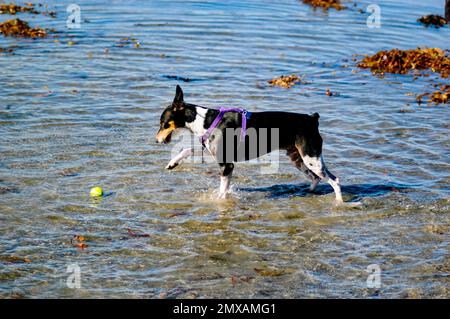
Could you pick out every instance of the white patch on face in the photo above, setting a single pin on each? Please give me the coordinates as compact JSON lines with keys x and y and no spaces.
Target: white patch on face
{"x":315,"y":164}
{"x":197,"y":126}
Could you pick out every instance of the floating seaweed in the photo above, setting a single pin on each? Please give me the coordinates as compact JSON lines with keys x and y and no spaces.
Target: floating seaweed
{"x":234,"y":279}
{"x":8,"y":50}
{"x":13,"y":8}
{"x":286,"y":81}
{"x":7,"y":189}
{"x":178,"y":78}
{"x":14,"y":259}
{"x":19,"y":28}
{"x":29,"y":8}
{"x":325,"y":4}
{"x":440,"y":96}
{"x":434,"y":20}
{"x":123,"y":42}
{"x":69,"y":172}
{"x":78,"y":242}
{"x":403,"y":61}
{"x":135,"y":234}
{"x":417,"y":60}
{"x":272,"y":272}
{"x":176,"y":214}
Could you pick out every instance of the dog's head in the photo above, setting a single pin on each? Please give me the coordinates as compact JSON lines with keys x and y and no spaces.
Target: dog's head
{"x":173,"y":117}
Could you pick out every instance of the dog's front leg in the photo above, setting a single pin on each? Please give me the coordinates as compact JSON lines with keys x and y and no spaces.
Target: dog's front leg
{"x":226,"y":170}
{"x":177,"y":159}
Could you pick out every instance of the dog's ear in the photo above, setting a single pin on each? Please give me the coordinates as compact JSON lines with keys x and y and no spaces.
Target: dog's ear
{"x":178,"y":101}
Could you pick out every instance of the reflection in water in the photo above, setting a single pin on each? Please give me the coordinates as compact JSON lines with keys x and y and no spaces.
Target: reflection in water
{"x":359,"y":191}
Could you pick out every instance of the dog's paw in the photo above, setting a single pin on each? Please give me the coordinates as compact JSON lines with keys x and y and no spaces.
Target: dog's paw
{"x":353,"y":204}
{"x":222,"y":195}
{"x":171,"y":165}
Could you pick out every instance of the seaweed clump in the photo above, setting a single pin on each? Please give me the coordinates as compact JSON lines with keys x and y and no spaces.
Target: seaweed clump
{"x":123,"y":42}
{"x":440,"y":96}
{"x":13,"y":8}
{"x":434,"y":20}
{"x":30,"y":8}
{"x":325,"y":4}
{"x":8,"y":50}
{"x":19,"y":28}
{"x":403,"y":61}
{"x":286,"y":81}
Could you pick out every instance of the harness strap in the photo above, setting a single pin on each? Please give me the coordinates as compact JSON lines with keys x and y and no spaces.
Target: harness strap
{"x":222,"y":111}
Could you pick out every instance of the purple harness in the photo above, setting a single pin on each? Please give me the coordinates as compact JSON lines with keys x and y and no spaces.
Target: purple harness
{"x":245,"y":116}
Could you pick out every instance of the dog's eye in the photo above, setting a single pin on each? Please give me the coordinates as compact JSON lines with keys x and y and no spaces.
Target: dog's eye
{"x":166,"y":125}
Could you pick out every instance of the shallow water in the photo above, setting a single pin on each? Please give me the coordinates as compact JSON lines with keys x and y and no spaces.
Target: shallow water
{"x":76,"y":116}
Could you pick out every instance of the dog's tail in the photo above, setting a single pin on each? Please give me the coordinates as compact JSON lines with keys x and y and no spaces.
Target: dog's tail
{"x":315,"y":120}
{"x":315,"y":116}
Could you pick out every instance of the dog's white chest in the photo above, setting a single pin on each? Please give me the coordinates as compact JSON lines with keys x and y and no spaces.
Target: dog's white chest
{"x":197,"y":126}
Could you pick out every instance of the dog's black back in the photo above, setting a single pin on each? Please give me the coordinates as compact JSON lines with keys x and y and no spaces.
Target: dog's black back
{"x":266,"y":132}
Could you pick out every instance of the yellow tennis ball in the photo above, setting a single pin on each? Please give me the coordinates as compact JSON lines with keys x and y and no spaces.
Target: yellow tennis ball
{"x":96,"y":191}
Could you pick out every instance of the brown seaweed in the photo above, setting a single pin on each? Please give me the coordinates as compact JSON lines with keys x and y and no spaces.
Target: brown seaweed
{"x":404,"y":61}
{"x":123,"y":42}
{"x":286,"y":81}
{"x":272,"y":272}
{"x":14,"y":259}
{"x":440,"y":96}
{"x":135,"y":234}
{"x":325,"y":4}
{"x":433,"y":20}
{"x":78,"y":241}
{"x":417,"y":60}
{"x":20,"y":28}
{"x":8,"y":50}
{"x":13,"y":8}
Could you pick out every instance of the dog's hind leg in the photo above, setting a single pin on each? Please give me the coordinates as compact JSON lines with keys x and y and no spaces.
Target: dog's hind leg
{"x":317,"y":165}
{"x":313,"y":177}
{"x":314,"y":162}
{"x":226,"y":170}
{"x":296,"y":159}
{"x":334,"y":182}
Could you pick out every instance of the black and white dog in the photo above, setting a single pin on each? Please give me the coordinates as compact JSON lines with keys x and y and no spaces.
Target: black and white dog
{"x":298,"y":134}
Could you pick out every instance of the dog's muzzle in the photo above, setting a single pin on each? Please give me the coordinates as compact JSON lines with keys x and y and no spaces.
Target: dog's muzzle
{"x":164,"y":137}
